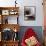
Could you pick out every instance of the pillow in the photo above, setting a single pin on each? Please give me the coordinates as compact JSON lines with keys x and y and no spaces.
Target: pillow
{"x":31,"y":41}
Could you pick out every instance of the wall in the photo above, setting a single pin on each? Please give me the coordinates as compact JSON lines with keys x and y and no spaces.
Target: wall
{"x":21,"y":4}
{"x":37,"y":29}
{"x":39,"y":13}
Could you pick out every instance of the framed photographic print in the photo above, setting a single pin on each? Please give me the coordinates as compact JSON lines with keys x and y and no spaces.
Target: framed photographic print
{"x":29,"y":12}
{"x":5,"y":12}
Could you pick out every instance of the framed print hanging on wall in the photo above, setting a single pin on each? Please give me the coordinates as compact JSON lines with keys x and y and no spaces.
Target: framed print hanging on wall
{"x":29,"y":12}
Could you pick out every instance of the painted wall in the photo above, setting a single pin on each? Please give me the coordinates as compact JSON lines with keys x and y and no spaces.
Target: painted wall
{"x":21,"y":4}
{"x":37,"y":29}
{"x":39,"y":13}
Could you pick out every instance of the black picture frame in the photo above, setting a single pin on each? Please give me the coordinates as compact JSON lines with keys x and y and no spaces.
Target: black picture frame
{"x":29,"y":13}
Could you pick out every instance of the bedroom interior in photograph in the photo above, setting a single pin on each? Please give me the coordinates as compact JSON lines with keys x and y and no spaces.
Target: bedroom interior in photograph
{"x":29,"y":12}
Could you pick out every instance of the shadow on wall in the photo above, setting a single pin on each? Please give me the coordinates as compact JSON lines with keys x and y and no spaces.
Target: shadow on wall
{"x":37,"y":29}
